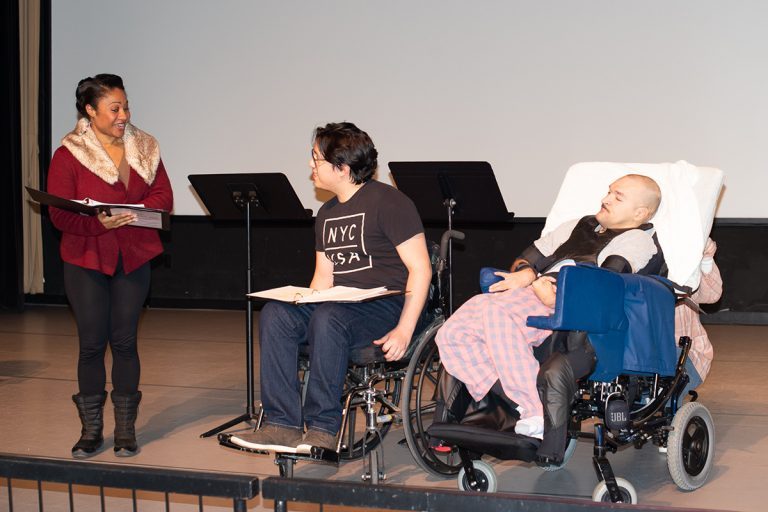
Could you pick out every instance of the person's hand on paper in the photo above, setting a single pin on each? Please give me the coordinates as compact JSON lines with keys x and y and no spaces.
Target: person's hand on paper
{"x":116,"y":221}
{"x":394,"y":344}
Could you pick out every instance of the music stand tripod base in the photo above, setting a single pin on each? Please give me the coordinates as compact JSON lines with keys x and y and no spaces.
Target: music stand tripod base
{"x":261,"y":196}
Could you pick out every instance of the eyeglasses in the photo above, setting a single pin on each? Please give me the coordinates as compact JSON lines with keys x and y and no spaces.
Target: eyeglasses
{"x":315,"y":159}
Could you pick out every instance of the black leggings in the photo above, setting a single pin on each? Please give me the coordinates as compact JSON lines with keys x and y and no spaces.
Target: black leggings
{"x":107,"y":310}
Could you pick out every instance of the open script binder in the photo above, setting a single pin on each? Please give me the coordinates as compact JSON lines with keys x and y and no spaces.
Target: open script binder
{"x":301,"y":295}
{"x":146,"y":217}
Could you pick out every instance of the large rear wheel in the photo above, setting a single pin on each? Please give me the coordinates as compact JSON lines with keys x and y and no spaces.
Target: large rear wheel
{"x":418,"y":407}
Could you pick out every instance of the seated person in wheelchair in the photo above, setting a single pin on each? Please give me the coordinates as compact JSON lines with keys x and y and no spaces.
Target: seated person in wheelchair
{"x":487,"y":345}
{"x":368,"y":235}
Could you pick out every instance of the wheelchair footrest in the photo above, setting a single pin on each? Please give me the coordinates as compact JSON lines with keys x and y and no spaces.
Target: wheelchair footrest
{"x":502,"y":445}
{"x":225,"y":440}
{"x":316,"y":454}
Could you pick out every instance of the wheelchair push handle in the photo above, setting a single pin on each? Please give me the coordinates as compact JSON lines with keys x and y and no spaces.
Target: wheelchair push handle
{"x":447,"y":235}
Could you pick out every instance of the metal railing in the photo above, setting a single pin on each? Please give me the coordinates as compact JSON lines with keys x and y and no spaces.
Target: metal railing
{"x":395,"y":497}
{"x":237,"y":487}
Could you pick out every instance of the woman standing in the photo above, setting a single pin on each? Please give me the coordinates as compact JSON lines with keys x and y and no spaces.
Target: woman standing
{"x":106,"y":260}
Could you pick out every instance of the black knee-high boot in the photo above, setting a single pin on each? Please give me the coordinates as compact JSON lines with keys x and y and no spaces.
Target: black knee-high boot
{"x":126,"y":410}
{"x":90,"y":408}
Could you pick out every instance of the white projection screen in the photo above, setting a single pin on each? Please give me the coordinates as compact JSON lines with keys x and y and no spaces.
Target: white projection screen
{"x":532,"y":87}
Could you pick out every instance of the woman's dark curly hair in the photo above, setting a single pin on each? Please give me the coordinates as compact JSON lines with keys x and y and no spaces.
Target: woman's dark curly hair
{"x":90,"y":90}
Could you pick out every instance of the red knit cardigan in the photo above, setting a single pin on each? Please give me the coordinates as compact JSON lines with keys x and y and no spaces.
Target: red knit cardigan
{"x":85,"y":241}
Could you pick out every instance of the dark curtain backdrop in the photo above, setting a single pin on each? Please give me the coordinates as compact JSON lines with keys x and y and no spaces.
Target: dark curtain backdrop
{"x":44,"y":92}
{"x":50,"y":234}
{"x":11,"y":292}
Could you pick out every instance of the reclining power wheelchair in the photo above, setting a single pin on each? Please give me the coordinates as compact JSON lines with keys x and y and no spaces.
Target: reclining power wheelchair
{"x":611,"y":358}
{"x":373,"y":387}
{"x":584,"y":376}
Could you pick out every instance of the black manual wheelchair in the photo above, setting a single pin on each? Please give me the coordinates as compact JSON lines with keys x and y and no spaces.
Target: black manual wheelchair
{"x":375,"y":388}
{"x":632,"y":390}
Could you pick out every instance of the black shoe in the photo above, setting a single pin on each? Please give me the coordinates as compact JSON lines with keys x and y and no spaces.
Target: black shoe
{"x":544,"y":461}
{"x":90,"y":408}
{"x":126,"y":410}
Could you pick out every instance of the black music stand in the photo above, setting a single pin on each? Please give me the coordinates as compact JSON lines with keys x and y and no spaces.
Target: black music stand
{"x":459,"y":191}
{"x":262,"y":196}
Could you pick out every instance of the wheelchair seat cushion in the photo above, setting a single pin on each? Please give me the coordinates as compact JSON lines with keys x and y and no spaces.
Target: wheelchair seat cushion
{"x":366,"y":355}
{"x":357,"y":356}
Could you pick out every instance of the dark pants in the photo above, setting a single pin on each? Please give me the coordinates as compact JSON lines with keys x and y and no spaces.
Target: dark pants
{"x":331,"y":330}
{"x":107,"y":310}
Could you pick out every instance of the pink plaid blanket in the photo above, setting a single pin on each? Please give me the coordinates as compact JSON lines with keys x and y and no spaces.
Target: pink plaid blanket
{"x":487,"y":340}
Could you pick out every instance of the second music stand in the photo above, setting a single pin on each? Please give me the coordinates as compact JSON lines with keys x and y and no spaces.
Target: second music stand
{"x":456,"y":191}
{"x":260,"y":196}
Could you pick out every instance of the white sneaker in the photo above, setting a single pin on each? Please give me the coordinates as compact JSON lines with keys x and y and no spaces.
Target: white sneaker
{"x":532,"y":426}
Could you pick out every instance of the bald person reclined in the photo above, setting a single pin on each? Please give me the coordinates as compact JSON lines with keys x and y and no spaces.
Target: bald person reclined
{"x":487,"y":345}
